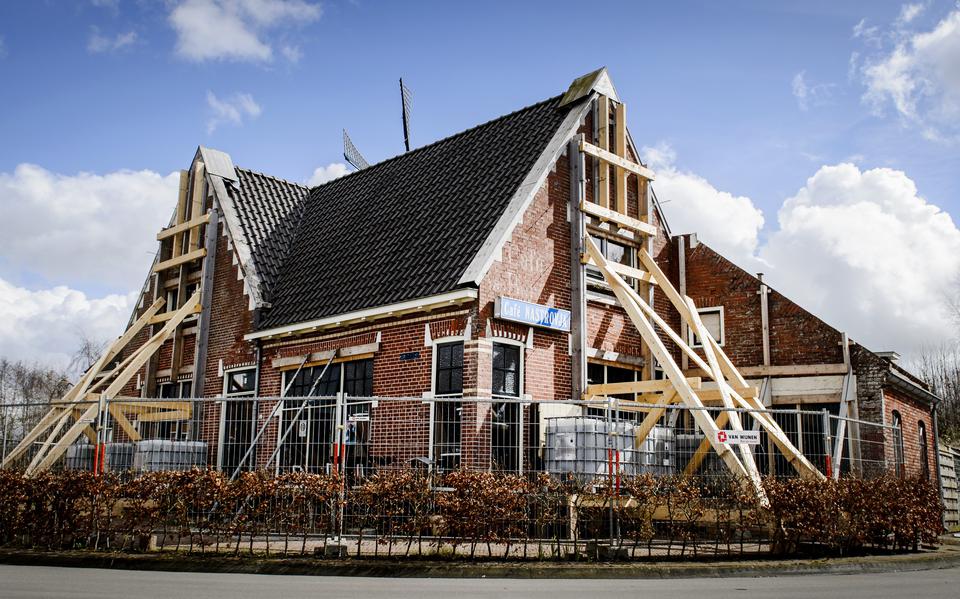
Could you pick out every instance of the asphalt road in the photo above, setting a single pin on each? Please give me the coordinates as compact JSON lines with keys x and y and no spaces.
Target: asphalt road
{"x":41,"y":581}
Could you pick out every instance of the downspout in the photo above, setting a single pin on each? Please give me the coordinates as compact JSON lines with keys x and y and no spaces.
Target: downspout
{"x":936,"y":451}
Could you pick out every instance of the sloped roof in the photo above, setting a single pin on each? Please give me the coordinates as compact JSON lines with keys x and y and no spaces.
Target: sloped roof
{"x":407,"y":227}
{"x":267,"y":211}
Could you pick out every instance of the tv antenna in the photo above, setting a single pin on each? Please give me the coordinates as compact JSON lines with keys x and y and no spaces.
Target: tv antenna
{"x":352,"y":154}
{"x":406,"y":101}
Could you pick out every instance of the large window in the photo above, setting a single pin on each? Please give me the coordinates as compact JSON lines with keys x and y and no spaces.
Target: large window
{"x":238,"y":419}
{"x":898,"y":442}
{"x":712,"y":319}
{"x":172,"y":430}
{"x":614,"y":252}
{"x":506,"y":422}
{"x":924,"y":458}
{"x":311,"y":444}
{"x":447,"y":414}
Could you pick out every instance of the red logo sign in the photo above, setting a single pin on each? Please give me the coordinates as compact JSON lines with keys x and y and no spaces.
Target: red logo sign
{"x":722,"y":436}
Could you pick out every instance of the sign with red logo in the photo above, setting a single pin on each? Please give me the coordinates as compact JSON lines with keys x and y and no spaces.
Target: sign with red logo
{"x":738,"y":437}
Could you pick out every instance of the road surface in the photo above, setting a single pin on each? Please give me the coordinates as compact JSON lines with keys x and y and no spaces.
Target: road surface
{"x":22,"y":582}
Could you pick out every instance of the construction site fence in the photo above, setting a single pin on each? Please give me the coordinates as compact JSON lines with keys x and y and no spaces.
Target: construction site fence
{"x":493,"y":478}
{"x":359,"y":436}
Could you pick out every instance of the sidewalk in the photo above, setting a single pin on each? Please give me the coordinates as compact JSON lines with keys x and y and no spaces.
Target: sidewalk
{"x":947,"y":556}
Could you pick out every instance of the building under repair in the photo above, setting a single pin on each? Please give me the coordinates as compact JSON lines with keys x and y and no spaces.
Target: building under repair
{"x":460,"y":304}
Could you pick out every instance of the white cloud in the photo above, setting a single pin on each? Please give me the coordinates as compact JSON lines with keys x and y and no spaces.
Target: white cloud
{"x":863,"y":249}
{"x":909,"y":12}
{"x":82,"y":230}
{"x":232,"y":110}
{"x":292,"y":53}
{"x":869,"y":34}
{"x":730,"y":224}
{"x":47,"y":326}
{"x":920,"y":78}
{"x":808,"y":93}
{"x":235,"y":29}
{"x":98,"y":43}
{"x":323,"y":174}
{"x":860,"y":248}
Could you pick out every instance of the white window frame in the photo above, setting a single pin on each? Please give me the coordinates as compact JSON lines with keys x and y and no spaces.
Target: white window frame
{"x":223,"y":408}
{"x":692,"y":335}
{"x":432,"y":394}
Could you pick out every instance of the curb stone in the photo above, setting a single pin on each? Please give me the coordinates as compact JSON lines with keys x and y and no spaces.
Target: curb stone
{"x":943,"y":558}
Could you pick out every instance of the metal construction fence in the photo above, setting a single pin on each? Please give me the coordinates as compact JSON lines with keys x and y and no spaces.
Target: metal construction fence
{"x":500,"y":477}
{"x":359,"y":436}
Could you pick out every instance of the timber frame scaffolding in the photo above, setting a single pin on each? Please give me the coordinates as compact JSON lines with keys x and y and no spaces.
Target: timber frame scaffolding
{"x":612,"y":169}
{"x":84,"y":410}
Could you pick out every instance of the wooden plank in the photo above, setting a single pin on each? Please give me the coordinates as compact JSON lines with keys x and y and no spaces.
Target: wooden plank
{"x":67,"y":439}
{"x":181,"y":259}
{"x":165,"y":416}
{"x":181,"y":213}
{"x":701,"y":452}
{"x":620,"y":149}
{"x":603,"y":138}
{"x":626,"y":271}
{"x":610,"y":158}
{"x":637,"y":387}
{"x":159,"y":318}
{"x":196,"y":205}
{"x":790,"y":370}
{"x":48,"y":419}
{"x":650,"y":421}
{"x":621,"y":220}
{"x":124,"y":423}
{"x":184,"y":226}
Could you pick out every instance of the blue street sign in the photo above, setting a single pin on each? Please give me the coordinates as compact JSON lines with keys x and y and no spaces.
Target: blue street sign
{"x":532,"y":314}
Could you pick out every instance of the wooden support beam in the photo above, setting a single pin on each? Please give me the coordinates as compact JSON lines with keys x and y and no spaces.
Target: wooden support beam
{"x":621,"y":220}
{"x":184,"y":226}
{"x":626,"y":271}
{"x":603,"y":138}
{"x":701,"y":452}
{"x":67,"y":439}
{"x":181,"y":259}
{"x":651,"y":419}
{"x":159,"y":318}
{"x":620,"y":149}
{"x":165,"y":416}
{"x":196,"y":205}
{"x":610,"y":158}
{"x":125,"y":425}
{"x":45,"y":422}
{"x":638,"y":387}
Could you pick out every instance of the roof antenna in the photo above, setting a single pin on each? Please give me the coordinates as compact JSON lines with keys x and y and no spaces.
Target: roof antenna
{"x":352,"y":154}
{"x":406,"y":99}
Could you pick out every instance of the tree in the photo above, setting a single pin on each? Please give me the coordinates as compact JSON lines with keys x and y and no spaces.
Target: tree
{"x":940,"y":367}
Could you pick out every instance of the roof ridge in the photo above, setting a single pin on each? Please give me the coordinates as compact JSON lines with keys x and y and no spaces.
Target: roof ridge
{"x":439,"y":141}
{"x":281,"y":179}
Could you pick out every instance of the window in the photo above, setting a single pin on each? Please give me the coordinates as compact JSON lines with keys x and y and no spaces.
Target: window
{"x":172,"y":303}
{"x":237,"y":419}
{"x":172,"y":430}
{"x":506,"y":417}
{"x":312,"y":444}
{"x":898,"y":442}
{"x":713,"y":321}
{"x":924,"y":458}
{"x":449,"y":369}
{"x":600,"y":374}
{"x":614,"y":252}
{"x":447,"y":414}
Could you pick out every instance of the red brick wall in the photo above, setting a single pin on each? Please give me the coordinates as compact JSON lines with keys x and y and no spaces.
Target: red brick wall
{"x":796,"y":335}
{"x":911,"y":413}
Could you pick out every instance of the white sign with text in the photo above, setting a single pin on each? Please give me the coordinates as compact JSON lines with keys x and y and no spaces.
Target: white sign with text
{"x":738,"y":437}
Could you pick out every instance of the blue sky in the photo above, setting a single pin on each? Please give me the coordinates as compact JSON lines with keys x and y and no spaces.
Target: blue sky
{"x":740,"y":104}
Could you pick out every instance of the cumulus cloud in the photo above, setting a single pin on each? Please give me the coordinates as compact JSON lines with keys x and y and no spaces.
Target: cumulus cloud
{"x":909,"y":12}
{"x":323,"y":174}
{"x":47,"y":325}
{"x":99,"y":43}
{"x":920,"y":78}
{"x":731,"y":224}
{"x":232,"y":110}
{"x":292,"y":53}
{"x":82,"y":230}
{"x":861,"y":248}
{"x":809,"y":93}
{"x":235,"y":29}
{"x":865,"y":250}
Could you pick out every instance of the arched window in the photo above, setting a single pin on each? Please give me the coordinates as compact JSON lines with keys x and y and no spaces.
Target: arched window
{"x":898,"y":442}
{"x":924,"y":460}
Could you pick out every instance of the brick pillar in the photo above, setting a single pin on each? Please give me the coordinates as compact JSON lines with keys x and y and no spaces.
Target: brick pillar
{"x":475,"y":418}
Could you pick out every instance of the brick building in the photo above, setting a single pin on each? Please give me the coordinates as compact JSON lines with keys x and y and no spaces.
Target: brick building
{"x":416,"y":278}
